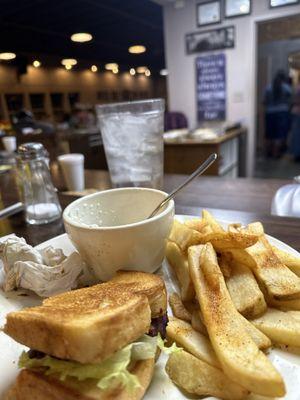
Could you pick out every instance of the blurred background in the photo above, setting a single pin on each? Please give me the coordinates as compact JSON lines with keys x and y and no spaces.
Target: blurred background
{"x":227,"y":69}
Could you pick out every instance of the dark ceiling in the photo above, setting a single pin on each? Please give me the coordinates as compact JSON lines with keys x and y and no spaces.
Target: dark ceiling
{"x":43,"y":27}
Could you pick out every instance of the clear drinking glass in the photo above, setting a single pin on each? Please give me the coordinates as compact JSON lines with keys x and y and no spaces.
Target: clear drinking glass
{"x":39,"y":195}
{"x":132,"y":135}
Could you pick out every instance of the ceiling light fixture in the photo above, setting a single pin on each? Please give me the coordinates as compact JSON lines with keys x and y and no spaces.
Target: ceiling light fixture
{"x":68,"y":66}
{"x":81,"y":37}
{"x":164,"y":72}
{"x":137,"y":49}
{"x":94,"y":68}
{"x":36,"y":63}
{"x":141,"y":70}
{"x":115,"y":70}
{"x":69,"y":61}
{"x":132,"y":71}
{"x":7,"y":56}
{"x":111,"y":66}
{"x":147,"y":72}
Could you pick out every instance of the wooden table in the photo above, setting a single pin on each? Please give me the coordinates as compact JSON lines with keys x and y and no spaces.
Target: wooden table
{"x":237,"y":200}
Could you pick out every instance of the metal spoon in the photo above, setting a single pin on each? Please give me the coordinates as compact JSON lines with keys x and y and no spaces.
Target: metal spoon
{"x":203,"y":167}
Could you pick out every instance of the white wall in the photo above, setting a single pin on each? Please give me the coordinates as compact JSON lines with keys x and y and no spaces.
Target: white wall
{"x":241,"y":63}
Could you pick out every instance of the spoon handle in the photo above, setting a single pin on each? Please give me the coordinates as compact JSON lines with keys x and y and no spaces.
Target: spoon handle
{"x":203,"y":167}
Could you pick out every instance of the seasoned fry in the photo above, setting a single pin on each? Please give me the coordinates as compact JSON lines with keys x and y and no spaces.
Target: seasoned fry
{"x":184,"y":236}
{"x":178,"y":308}
{"x":294,"y":314}
{"x":211,"y":221}
{"x":284,"y":304}
{"x":240,"y":358}
{"x":291,"y":261}
{"x":280,"y":282}
{"x":200,"y":378}
{"x":243,"y":288}
{"x":194,"y":342}
{"x":279,"y":326}
{"x":179,"y":263}
{"x":223,"y":241}
{"x":197,"y":224}
{"x":197,"y":323}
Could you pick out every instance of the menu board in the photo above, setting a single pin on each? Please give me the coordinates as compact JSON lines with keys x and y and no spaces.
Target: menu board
{"x":211,"y":87}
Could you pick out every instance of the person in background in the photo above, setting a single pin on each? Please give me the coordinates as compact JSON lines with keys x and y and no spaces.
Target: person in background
{"x":295,"y":128}
{"x":24,"y":122}
{"x":277,"y":101}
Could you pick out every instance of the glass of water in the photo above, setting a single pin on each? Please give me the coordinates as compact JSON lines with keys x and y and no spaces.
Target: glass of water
{"x":132,"y":135}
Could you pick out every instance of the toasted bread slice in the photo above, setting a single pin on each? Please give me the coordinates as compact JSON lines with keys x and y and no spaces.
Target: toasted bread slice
{"x":150,"y":285}
{"x":32,"y":385}
{"x":85,"y":325}
{"x":142,"y":283}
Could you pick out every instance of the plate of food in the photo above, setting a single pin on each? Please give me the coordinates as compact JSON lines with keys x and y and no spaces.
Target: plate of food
{"x":233,"y":331}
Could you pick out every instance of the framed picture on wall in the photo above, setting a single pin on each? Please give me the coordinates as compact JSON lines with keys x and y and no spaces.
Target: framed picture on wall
{"x":237,"y":8}
{"x":281,"y":3}
{"x":210,"y":40}
{"x":209,"y":13}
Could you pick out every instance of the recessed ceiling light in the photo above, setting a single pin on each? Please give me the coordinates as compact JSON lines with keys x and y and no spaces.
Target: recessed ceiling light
{"x":7,"y":56}
{"x":36,"y":63}
{"x":68,"y":66}
{"x":164,"y":72}
{"x":132,"y":71}
{"x":69,"y":61}
{"x":94,"y":68}
{"x":81,"y":37}
{"x":141,"y":70}
{"x":148,"y":72}
{"x":137,"y":49}
{"x":111,"y":66}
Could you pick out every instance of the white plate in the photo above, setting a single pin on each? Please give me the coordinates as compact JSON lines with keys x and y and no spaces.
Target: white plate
{"x":161,"y":387}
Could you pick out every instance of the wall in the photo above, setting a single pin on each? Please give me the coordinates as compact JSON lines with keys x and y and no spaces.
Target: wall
{"x":87,"y":83}
{"x":241,"y":63}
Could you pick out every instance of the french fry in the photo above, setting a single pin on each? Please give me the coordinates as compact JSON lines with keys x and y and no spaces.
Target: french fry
{"x":281,"y":327}
{"x":198,"y":324}
{"x":291,"y":261}
{"x":284,"y":305}
{"x":243,"y":288}
{"x":179,"y":262}
{"x":196,"y":223}
{"x":192,"y":341}
{"x":240,"y":358}
{"x":178,"y":308}
{"x":294,"y":314}
{"x":211,"y":221}
{"x":184,"y":236}
{"x":223,"y":241}
{"x":280,"y":282}
{"x":200,"y":378}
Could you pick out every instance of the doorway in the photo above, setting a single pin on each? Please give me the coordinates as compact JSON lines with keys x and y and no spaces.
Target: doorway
{"x":278,"y":56}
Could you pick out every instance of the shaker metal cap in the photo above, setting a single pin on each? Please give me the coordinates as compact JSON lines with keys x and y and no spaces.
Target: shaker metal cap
{"x":29,"y":151}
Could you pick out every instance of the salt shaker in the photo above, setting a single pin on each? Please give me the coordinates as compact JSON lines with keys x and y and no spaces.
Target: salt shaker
{"x":39,"y":195}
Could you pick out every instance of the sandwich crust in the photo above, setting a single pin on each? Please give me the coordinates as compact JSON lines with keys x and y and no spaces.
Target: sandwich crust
{"x":85,"y":325}
{"x":135,"y":282}
{"x":32,"y":385}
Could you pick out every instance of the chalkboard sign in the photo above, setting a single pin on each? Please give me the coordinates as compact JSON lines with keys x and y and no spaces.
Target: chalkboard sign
{"x":211,"y":87}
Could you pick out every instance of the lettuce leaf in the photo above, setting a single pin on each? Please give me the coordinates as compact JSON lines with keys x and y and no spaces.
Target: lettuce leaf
{"x":107,"y":374}
{"x":167,"y":350}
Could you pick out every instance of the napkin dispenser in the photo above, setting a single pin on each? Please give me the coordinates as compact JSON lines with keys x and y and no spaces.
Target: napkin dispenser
{"x":286,"y":202}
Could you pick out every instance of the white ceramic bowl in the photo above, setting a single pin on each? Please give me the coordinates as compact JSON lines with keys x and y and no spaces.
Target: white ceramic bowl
{"x":110,"y":231}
